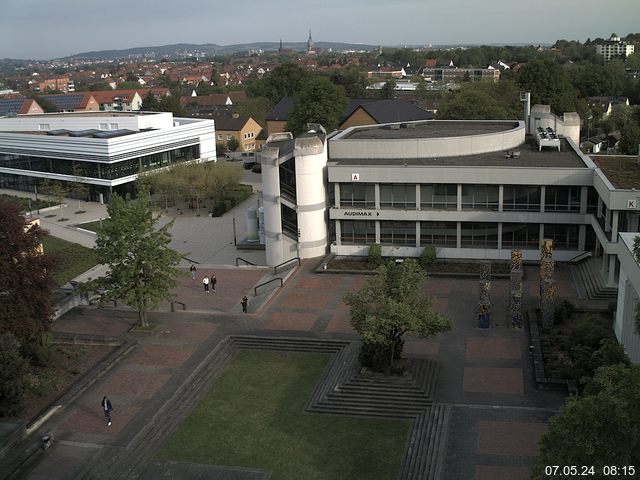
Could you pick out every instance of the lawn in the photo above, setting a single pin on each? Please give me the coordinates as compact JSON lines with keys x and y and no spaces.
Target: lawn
{"x":71,"y":259}
{"x":24,"y":203}
{"x":254,"y":417}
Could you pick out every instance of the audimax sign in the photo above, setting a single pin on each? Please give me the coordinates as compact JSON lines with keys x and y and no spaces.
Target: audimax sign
{"x":360,"y":213}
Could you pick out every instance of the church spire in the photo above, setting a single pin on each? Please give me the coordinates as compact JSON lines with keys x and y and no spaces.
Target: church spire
{"x":310,"y":45}
{"x":280,"y":47}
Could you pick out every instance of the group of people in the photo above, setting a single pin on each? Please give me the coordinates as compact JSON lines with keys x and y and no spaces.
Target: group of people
{"x":210,"y":284}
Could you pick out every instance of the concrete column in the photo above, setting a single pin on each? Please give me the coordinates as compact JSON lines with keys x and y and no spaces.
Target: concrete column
{"x":600,"y":204}
{"x":418,"y":234}
{"x":543,"y":193}
{"x":377,"y":231}
{"x":338,"y":232}
{"x":607,"y":221}
{"x":582,"y":236}
{"x":376,"y":190}
{"x":459,"y":198}
{"x":336,"y":194}
{"x":541,"y":234}
{"x":614,"y":225}
{"x":584,"y":193}
{"x":500,"y":204}
{"x":271,"y":204}
{"x":500,"y":236}
{"x":418,"y":197}
{"x":611,"y":279}
{"x":458,"y":234}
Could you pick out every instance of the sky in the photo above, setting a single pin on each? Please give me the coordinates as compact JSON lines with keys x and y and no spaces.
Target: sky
{"x":45,"y":29}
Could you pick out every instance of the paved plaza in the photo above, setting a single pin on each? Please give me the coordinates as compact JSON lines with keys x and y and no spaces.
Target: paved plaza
{"x":497,"y":412}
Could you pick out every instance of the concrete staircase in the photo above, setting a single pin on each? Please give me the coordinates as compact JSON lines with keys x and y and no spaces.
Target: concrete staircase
{"x":588,"y":274}
{"x":425,"y":454}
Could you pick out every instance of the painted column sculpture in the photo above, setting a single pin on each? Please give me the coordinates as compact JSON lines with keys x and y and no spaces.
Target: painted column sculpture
{"x":547,"y":284}
{"x":515,"y":299}
{"x":484,"y":305}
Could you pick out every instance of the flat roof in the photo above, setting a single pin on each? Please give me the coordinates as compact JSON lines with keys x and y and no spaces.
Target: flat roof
{"x":86,"y":114}
{"x":430,"y":129}
{"x":622,"y":171}
{"x":529,"y":157}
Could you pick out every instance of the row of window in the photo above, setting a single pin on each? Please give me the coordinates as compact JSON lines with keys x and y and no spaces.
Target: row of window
{"x":474,"y":197}
{"x":445,"y":234}
{"x":107,"y":171}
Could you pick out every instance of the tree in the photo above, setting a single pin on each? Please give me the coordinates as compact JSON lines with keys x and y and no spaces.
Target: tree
{"x":12,"y":384}
{"x":320,"y":101}
{"x":142,"y":268}
{"x":389,"y":89}
{"x":549,"y":85}
{"x":389,"y":306}
{"x":285,"y":80}
{"x":25,"y":283}
{"x":352,"y":79}
{"x":598,"y":429}
{"x":233,"y":144}
{"x":150,"y":103}
{"x":255,"y":107}
{"x":77,"y":187}
{"x":481,"y":100}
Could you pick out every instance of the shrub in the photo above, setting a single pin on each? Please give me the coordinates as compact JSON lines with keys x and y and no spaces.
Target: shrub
{"x":12,"y":373}
{"x":377,"y":357}
{"x":564,"y":312}
{"x":38,"y":350}
{"x":428,"y":256}
{"x":375,"y":255}
{"x":591,"y":330}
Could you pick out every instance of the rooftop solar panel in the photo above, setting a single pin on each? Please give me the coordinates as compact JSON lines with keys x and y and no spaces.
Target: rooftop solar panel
{"x":11,"y":105}
{"x":66,"y":102}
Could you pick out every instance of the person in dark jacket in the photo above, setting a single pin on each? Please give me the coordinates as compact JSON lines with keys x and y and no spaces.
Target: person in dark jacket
{"x":107,"y":408}
{"x":244,"y":303}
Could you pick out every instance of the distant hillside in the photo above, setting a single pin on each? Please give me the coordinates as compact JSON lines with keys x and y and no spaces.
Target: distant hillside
{"x":210,"y":49}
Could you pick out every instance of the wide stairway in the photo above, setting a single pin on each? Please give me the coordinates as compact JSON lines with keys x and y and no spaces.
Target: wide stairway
{"x":587,"y":272}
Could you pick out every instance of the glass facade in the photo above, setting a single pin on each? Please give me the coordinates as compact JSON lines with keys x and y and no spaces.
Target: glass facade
{"x":398,"y":233}
{"x":480,"y":197}
{"x":357,"y":233}
{"x":398,"y":196}
{"x":287,"y":172}
{"x":479,"y":235}
{"x":562,"y":199}
{"x":439,"y":234}
{"x":565,"y":237}
{"x":439,"y":196}
{"x":100,"y":170}
{"x":289,"y":221}
{"x":520,"y":235}
{"x":521,"y":198}
{"x":359,"y":195}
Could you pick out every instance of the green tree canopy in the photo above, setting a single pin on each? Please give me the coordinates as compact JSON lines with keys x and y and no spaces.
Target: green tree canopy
{"x":25,"y":283}
{"x":285,"y":80}
{"x":142,"y":267}
{"x":482,"y":100}
{"x":389,"y":306}
{"x":320,"y":101}
{"x":389,"y":89}
{"x":12,"y":384}
{"x":549,"y":85}
{"x":353,"y":79}
{"x":599,"y":429}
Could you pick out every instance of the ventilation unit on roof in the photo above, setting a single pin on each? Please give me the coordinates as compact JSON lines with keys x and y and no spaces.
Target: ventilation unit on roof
{"x":393,"y":126}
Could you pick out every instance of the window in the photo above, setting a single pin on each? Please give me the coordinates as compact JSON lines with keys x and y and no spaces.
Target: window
{"x":44,"y":127}
{"x":565,"y":237}
{"x":113,"y":126}
{"x":104,"y":126}
{"x":520,"y":235}
{"x":354,"y":232}
{"x":440,"y":197}
{"x":479,"y":235}
{"x":592,"y":200}
{"x":521,"y":198}
{"x":359,"y":195}
{"x":220,"y":137}
{"x":439,"y":234}
{"x":398,"y":233}
{"x":480,"y":197}
{"x":562,"y":199}
{"x":398,"y":196}
{"x":288,"y":179}
{"x":289,"y":221}
{"x":229,"y":137}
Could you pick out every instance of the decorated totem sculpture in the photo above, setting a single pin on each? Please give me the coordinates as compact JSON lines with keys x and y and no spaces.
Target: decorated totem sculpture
{"x":484,"y":305}
{"x":515,"y":299}
{"x":547,"y":283}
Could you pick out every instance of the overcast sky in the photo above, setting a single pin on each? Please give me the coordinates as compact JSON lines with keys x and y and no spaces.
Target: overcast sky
{"x":43,"y":29}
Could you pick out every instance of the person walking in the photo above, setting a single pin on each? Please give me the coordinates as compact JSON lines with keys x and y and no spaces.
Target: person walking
{"x":213,"y":282}
{"x":107,"y":408}
{"x":244,"y":303}
{"x":205,"y":282}
{"x":193,"y":271}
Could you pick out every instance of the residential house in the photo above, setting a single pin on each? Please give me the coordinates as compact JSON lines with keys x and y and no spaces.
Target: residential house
{"x":64,"y":84}
{"x":606,"y":104}
{"x":243,"y":128}
{"x":74,"y":102}
{"x":19,"y":106}
{"x":614,"y":47}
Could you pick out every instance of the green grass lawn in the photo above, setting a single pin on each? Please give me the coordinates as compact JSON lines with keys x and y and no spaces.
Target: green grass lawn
{"x":71,"y":259}
{"x":254,"y":417}
{"x":24,"y":203}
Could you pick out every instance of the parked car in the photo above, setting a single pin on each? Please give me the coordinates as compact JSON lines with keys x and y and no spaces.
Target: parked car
{"x":248,"y":159}
{"x":256,"y":168}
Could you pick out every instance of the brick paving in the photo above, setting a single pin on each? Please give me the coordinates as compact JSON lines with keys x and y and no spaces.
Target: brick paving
{"x":497,"y":415}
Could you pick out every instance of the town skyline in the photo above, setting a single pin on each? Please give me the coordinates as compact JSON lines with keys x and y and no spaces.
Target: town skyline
{"x":39,"y":30}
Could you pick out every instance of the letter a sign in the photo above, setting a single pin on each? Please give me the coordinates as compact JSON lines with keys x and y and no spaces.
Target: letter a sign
{"x":355,"y":177}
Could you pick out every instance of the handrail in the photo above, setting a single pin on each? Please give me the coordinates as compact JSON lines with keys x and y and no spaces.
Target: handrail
{"x":255,"y":290}
{"x":245,"y":261}
{"x":173,"y":308}
{"x":275,"y":269}
{"x":581,"y":256}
